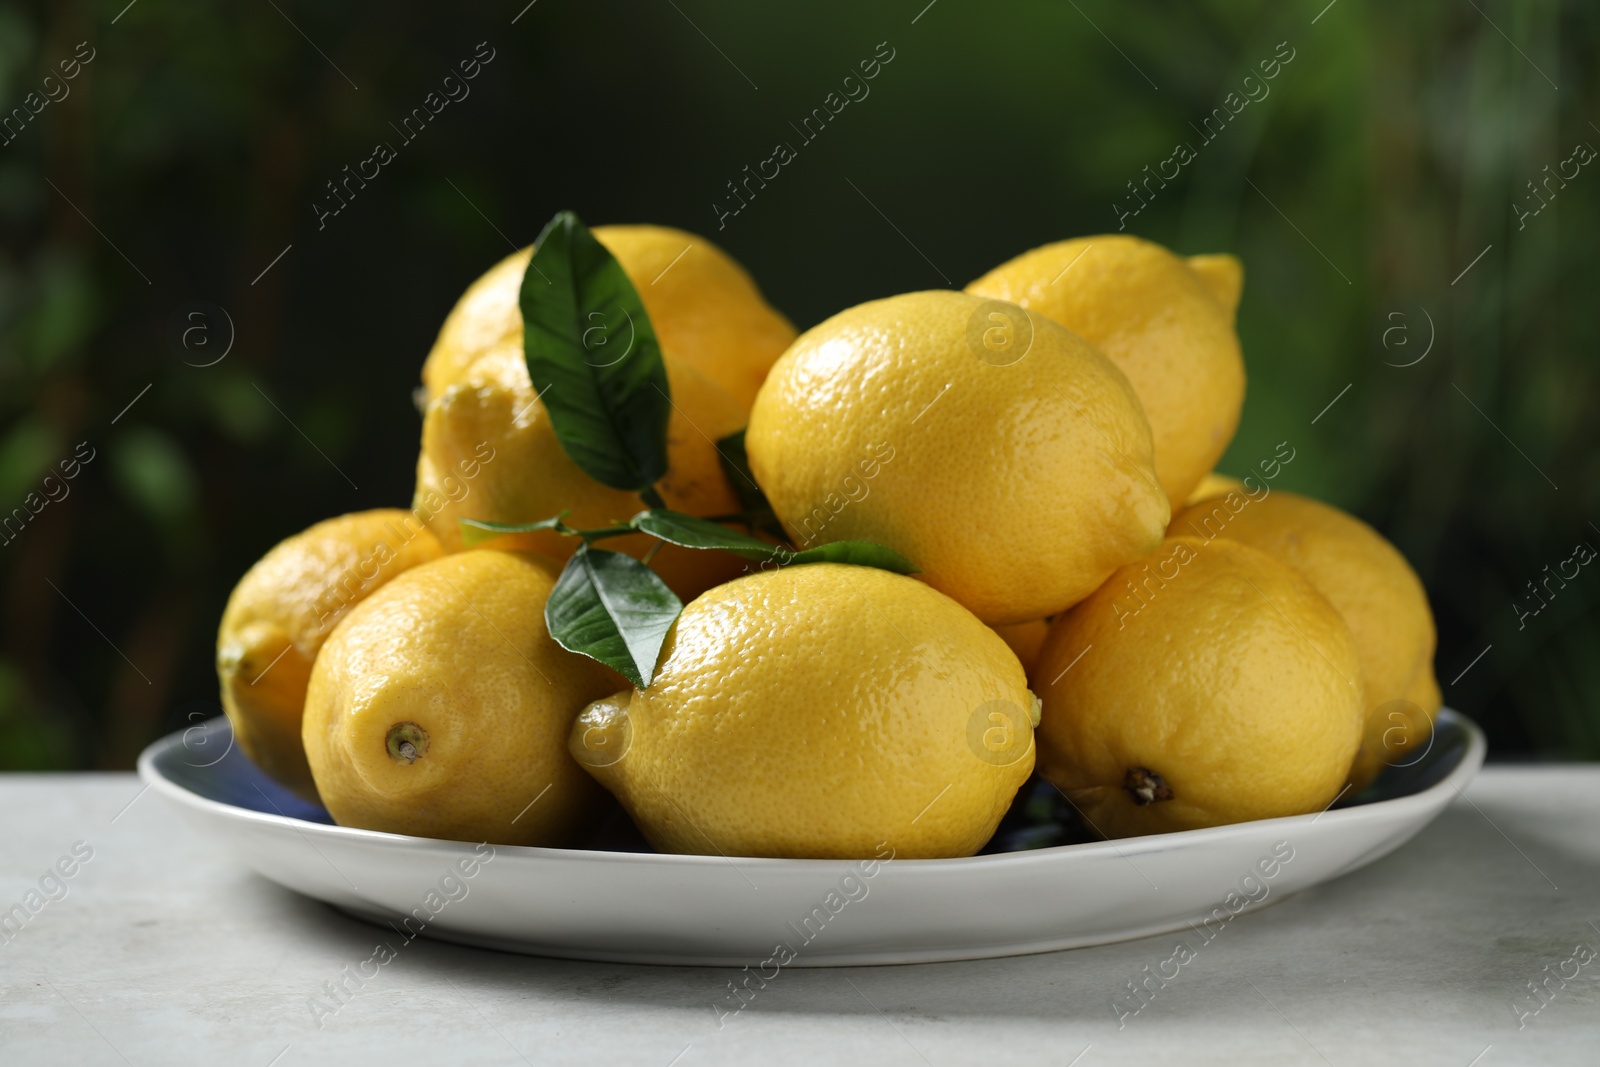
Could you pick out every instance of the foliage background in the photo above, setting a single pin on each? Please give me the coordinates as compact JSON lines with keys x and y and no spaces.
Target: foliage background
{"x":196,"y":141}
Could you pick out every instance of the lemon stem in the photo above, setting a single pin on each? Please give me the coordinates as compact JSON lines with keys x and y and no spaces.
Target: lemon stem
{"x":1146,"y":786}
{"x":406,"y":742}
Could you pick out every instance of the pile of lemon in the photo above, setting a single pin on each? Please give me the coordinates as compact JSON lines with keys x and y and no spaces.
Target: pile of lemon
{"x":1173,"y":648}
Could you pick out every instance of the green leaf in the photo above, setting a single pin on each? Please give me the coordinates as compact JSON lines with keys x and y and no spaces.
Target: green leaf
{"x":477,"y":531}
{"x":594,"y":359}
{"x":857,"y":553}
{"x":676,"y":528}
{"x":612,"y":608}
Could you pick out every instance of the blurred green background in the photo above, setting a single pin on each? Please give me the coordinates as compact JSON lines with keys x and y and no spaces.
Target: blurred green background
{"x":188,"y":151}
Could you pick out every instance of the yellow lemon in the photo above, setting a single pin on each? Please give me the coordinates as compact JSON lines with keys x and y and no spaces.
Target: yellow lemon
{"x":1371,"y":585}
{"x":1210,"y":685}
{"x":440,"y":708}
{"x":1007,"y":458}
{"x":706,"y":311}
{"x":490,"y":453}
{"x":1166,"y":322}
{"x":818,"y":711}
{"x":282,"y":611}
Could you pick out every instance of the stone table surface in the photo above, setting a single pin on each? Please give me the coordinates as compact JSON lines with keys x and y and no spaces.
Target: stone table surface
{"x":157,"y":950}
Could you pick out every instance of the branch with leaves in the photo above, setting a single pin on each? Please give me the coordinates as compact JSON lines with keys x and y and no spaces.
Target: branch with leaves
{"x":610,"y":414}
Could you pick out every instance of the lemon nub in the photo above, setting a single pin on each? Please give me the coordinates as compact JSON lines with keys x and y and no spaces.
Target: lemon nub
{"x":407,"y":742}
{"x":1146,"y":786}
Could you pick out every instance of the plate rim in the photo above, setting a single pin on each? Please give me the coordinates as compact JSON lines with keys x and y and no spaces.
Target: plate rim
{"x":1465,"y":769}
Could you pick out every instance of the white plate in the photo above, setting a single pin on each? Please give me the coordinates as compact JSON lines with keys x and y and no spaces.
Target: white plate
{"x":642,"y":907}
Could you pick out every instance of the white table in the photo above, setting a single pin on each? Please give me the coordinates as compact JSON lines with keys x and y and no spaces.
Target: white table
{"x":163,"y":952}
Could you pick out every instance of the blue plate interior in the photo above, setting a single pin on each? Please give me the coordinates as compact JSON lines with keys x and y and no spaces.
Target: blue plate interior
{"x":204,"y":760}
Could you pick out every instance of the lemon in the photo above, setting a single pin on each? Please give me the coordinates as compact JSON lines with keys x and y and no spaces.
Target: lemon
{"x":1371,"y":585}
{"x":440,"y":708}
{"x":1167,"y":325}
{"x":1211,"y":684}
{"x":706,"y":311}
{"x":282,"y":611}
{"x":818,"y":711}
{"x":1001,"y":454}
{"x":489,"y":453}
